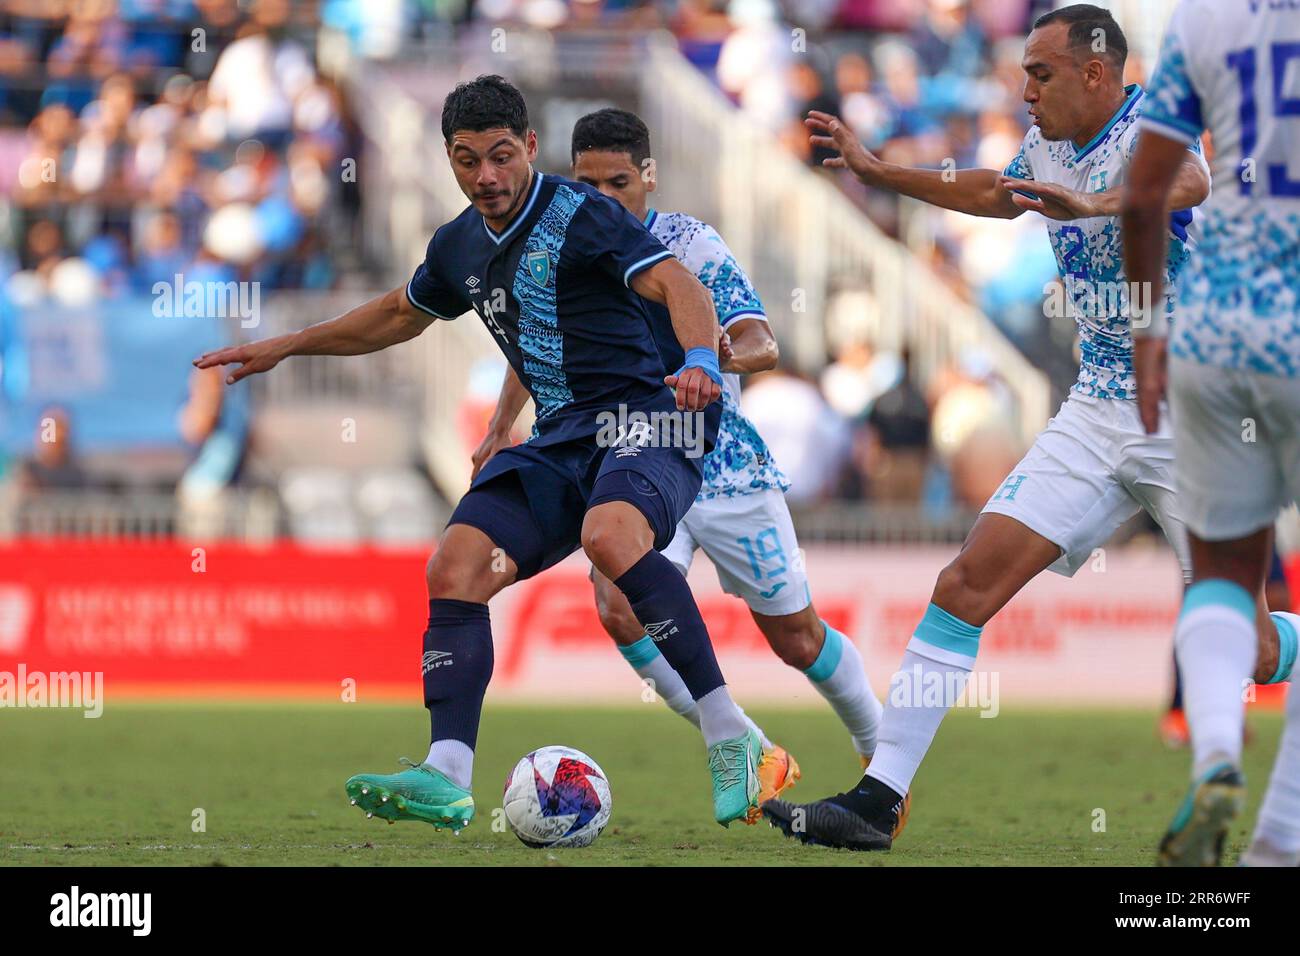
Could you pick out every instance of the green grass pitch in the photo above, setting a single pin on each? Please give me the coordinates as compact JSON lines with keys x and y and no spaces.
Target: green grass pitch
{"x":1025,"y":788}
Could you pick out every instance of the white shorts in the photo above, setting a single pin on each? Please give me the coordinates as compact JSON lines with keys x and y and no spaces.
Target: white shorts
{"x":1238,"y":439}
{"x":1090,"y":470}
{"x":750,"y":540}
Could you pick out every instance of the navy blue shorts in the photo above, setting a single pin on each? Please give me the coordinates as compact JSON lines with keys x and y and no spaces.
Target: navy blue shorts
{"x":531,"y":501}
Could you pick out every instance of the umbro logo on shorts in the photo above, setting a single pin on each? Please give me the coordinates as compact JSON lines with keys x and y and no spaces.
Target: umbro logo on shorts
{"x":434,"y":659}
{"x":661,"y":631}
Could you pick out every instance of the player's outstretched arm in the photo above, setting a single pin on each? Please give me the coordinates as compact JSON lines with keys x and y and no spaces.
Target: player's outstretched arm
{"x":1191,"y":187}
{"x":668,"y":282}
{"x":371,"y":326}
{"x":1156,"y":164}
{"x":509,"y":404}
{"x":975,"y":191}
{"x":749,"y":346}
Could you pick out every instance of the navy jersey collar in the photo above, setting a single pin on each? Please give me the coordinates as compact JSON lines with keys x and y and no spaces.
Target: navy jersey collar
{"x":1134,"y":93}
{"x":522,"y":215}
{"x":650,"y":217}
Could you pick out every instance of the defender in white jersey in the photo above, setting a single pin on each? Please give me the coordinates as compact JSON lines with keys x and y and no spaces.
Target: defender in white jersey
{"x":1094,"y":466}
{"x":1232,"y":67}
{"x":740,"y":518}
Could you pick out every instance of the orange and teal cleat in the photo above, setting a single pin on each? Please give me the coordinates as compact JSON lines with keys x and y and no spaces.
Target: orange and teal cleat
{"x":777,"y":772}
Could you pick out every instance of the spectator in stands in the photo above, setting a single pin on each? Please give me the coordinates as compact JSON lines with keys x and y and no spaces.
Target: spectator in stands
{"x":808,"y":439}
{"x":856,"y":377}
{"x":897,"y":436}
{"x":52,"y":465}
{"x":214,"y":425}
{"x":860,"y":104}
{"x":809,"y":93}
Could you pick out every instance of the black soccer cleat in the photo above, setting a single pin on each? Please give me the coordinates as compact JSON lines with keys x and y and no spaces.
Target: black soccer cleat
{"x":826,"y":824}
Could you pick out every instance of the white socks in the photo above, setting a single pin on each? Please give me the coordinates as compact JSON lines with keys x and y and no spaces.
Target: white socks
{"x":453,"y":758}
{"x":650,"y":665}
{"x":720,"y":718}
{"x":1216,"y":646}
{"x":839,"y":676}
{"x":939,"y":657}
{"x":1279,"y":815}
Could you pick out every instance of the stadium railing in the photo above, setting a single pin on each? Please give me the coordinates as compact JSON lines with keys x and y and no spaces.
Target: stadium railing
{"x":802,"y":239}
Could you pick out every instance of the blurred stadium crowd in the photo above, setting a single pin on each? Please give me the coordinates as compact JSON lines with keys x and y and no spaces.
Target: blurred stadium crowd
{"x":142,"y":140}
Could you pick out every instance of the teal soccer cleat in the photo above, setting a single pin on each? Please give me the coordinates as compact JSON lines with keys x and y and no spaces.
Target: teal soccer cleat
{"x":1200,"y":827}
{"x":734,"y":767}
{"x":420,"y":792}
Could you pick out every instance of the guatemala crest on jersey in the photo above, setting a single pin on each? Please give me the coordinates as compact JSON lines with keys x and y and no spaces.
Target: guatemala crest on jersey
{"x":539,"y":266}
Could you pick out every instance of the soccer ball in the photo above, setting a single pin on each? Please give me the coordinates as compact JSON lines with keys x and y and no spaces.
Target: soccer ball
{"x":557,"y":796}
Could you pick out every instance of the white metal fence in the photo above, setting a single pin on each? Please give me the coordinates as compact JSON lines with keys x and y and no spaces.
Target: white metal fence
{"x":801,"y":239}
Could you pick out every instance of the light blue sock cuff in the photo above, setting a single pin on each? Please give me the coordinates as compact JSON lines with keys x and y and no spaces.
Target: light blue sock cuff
{"x":1221,"y":592}
{"x":829,"y":657}
{"x":941,"y":629}
{"x":1286,"y":646}
{"x":640,"y":653}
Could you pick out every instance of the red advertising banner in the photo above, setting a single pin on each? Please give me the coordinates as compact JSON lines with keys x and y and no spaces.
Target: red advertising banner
{"x":228,"y":619}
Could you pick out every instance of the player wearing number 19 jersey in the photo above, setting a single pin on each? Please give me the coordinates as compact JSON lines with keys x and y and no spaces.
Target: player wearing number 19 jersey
{"x":1232,"y":67}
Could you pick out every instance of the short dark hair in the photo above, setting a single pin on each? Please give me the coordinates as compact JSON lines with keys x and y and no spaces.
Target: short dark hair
{"x":1085,"y":19}
{"x":486,"y":102}
{"x":614,"y":130}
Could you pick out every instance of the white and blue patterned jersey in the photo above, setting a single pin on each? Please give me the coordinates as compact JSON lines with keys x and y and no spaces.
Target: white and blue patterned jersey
{"x":1233,"y":67}
{"x":1090,"y":252}
{"x":741,"y":462}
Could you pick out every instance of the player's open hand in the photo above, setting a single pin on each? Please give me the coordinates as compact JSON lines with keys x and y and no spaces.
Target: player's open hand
{"x":253,"y":357}
{"x":830,"y":132}
{"x":1151,"y":370}
{"x":492,"y":443}
{"x":694,"y":388}
{"x":1054,"y":201}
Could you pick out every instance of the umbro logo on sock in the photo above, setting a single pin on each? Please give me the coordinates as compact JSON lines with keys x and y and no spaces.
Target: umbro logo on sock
{"x":661,"y":631}
{"x":432,"y":659}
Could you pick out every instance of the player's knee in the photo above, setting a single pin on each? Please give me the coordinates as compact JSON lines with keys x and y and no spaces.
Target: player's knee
{"x":451,"y":578}
{"x":610,"y":551}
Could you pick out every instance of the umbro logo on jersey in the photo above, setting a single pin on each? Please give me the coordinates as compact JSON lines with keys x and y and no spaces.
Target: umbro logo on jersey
{"x":435,"y":659}
{"x":473,"y":283}
{"x":661,"y":631}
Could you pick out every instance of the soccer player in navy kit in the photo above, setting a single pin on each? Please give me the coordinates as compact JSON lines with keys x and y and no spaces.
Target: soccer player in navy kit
{"x":557,"y":273}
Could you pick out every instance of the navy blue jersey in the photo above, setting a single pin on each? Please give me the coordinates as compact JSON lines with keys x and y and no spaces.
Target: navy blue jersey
{"x":553,"y":288}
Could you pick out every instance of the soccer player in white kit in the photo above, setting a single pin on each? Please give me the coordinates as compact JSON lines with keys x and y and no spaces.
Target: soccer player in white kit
{"x":740,"y":519}
{"x":1094,"y":466}
{"x":1232,"y":67}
